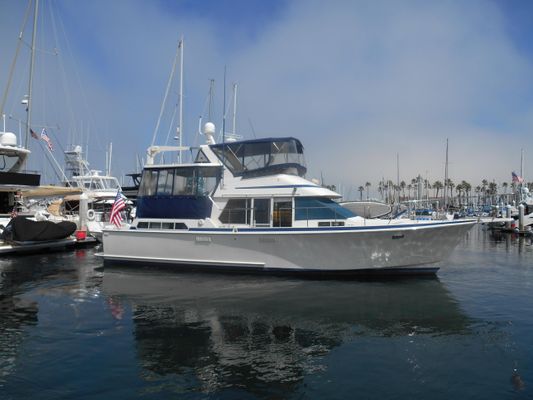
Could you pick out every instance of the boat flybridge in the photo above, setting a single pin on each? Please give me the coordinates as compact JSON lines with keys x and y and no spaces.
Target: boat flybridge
{"x":246,"y":206}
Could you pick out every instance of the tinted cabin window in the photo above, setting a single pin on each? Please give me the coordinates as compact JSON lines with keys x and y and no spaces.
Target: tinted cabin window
{"x":148,"y":183}
{"x":252,"y":157}
{"x":282,"y":213}
{"x":262,"y":212}
{"x":206,"y":182}
{"x":164,"y":182}
{"x":183,"y":181}
{"x":180,"y":181}
{"x":317,"y":208}
{"x":237,"y":211}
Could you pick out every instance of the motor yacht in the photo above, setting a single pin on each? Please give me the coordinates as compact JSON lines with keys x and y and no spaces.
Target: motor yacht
{"x":247,"y":206}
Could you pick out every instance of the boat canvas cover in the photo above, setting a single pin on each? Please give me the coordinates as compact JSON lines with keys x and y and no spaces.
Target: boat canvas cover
{"x":21,"y":229}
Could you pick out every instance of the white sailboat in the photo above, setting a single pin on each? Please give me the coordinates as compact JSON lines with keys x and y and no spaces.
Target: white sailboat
{"x":21,"y":234}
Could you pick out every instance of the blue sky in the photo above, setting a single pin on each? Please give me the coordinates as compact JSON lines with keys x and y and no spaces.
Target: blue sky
{"x":356,"y":81}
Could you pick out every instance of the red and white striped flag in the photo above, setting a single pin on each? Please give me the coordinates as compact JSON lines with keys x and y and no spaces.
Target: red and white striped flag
{"x":47,"y":139}
{"x":118,"y":206}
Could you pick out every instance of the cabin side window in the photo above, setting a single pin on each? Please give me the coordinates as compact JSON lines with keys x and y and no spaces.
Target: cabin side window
{"x":262,"y":212}
{"x":148,"y":182}
{"x":307,"y":208}
{"x":164,"y":182}
{"x":184,"y":182}
{"x":206,"y":181}
{"x":237,"y":211}
{"x":179,"y":181}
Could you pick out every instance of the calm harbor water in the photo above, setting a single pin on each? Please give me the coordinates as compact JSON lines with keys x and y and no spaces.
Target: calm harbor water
{"x":70,"y":329}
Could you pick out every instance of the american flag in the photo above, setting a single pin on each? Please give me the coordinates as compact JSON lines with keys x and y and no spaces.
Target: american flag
{"x":118,"y":206}
{"x":517,"y":178}
{"x":46,"y":138}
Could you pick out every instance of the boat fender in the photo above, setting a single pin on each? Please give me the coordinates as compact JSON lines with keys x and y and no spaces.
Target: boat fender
{"x":91,"y":215}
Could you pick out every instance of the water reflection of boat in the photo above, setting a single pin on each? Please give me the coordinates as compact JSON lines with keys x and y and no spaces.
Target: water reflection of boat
{"x":266,"y":330}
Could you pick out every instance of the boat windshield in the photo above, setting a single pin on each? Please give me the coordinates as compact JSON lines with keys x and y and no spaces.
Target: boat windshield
{"x":96,"y":183}
{"x":307,"y":208}
{"x":179,"y":181}
{"x":262,"y":157}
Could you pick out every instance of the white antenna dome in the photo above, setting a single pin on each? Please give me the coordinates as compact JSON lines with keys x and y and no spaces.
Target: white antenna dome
{"x":209,"y":132}
{"x":8,"y":139}
{"x":209,"y":128}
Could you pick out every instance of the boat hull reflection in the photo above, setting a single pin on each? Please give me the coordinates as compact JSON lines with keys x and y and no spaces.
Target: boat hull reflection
{"x":258,"y":330}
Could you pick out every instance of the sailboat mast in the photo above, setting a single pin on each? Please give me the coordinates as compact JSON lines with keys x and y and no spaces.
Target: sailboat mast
{"x":522,"y":163}
{"x":234,"y":108}
{"x":224,"y":110}
{"x":12,"y":69}
{"x":30,"y":84}
{"x":446,"y":178}
{"x":398,"y":175}
{"x":181,"y":99}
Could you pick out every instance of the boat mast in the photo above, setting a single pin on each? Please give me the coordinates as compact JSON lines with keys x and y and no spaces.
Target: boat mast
{"x":234,"y":109}
{"x":398,"y":176}
{"x":12,"y":68}
{"x":108,"y":172}
{"x":446,"y":178}
{"x":32,"y":63}
{"x":170,"y":78}
{"x":180,"y":131}
{"x":522,"y":163}
{"x":224,"y":111}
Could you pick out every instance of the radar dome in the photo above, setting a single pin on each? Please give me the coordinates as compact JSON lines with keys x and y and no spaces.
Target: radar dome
{"x":8,"y":139}
{"x":209,"y":128}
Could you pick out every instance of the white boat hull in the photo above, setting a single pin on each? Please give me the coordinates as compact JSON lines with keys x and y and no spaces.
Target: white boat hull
{"x":406,"y":248}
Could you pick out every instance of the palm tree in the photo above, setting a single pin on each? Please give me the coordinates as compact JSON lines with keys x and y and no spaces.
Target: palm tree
{"x":367,"y":186}
{"x":458,"y":190}
{"x":493,"y":190}
{"x":438,"y":186}
{"x":361,"y":190}
{"x":451,"y":185}
{"x":409,"y":188}
{"x":505,"y":185}
{"x":391,"y":188}
{"x":467,"y":188}
{"x":484,"y":184}
{"x":402,"y":186}
{"x":478,"y":190}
